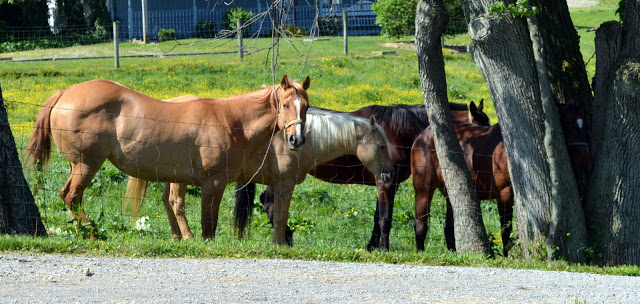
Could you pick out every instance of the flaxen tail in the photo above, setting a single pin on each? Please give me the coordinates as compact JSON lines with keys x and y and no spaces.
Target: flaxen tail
{"x":39,"y":147}
{"x":134,"y":197}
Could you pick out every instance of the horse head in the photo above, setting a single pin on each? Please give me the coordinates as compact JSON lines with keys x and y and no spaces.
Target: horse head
{"x":372,"y":151}
{"x":477,"y":116}
{"x":292,"y":102}
{"x":576,"y":136}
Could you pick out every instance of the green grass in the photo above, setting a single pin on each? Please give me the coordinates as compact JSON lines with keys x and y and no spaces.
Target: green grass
{"x":332,"y":222}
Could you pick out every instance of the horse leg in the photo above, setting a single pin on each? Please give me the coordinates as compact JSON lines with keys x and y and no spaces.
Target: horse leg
{"x":280,"y":212}
{"x":177,"y":199}
{"x":505,"y":209}
{"x":212,"y":191}
{"x":267,"y":199}
{"x":374,"y":241}
{"x":449,"y":234}
{"x":173,"y":223}
{"x":73,"y":190}
{"x":383,"y":217}
{"x":245,"y":197}
{"x":424,"y":195}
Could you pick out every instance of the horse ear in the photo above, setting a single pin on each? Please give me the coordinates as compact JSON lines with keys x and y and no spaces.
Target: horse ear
{"x":472,"y":107}
{"x":481,"y":104}
{"x":263,"y":86}
{"x":372,"y":122}
{"x":284,"y":82}
{"x":305,"y":83}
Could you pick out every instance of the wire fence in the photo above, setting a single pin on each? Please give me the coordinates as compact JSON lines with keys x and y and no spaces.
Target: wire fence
{"x":347,"y":208}
{"x":195,"y":32}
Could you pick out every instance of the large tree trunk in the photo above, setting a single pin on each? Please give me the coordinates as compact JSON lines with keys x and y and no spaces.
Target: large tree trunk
{"x":501,"y":47}
{"x":567,"y":230}
{"x":470,"y":233}
{"x":565,"y":65}
{"x":18,"y":211}
{"x":566,"y":70}
{"x":614,"y":197}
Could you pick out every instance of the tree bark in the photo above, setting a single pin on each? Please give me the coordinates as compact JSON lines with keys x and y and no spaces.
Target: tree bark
{"x":565,"y":65}
{"x":614,"y":197}
{"x":567,"y":230}
{"x":18,"y":211}
{"x":501,"y":47}
{"x":470,"y":233}
{"x":566,"y":69}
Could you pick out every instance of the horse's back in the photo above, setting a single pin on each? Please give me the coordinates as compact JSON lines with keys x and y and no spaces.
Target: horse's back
{"x":101,"y":119}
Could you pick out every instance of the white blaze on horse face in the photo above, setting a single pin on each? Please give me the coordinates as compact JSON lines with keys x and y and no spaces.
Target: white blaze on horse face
{"x":296,"y":103}
{"x":580,"y":122}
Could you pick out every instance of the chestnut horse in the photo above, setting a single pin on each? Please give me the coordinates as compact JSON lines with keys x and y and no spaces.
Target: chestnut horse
{"x":402,"y":124}
{"x":329,"y":134}
{"x":487,"y":161}
{"x":202,"y":142}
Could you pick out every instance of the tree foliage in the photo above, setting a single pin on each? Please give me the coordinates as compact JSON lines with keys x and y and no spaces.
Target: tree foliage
{"x":23,"y":13}
{"x":232,"y":15}
{"x":396,"y":17}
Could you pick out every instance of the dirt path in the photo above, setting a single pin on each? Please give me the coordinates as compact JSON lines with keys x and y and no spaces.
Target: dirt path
{"x":65,"y":279}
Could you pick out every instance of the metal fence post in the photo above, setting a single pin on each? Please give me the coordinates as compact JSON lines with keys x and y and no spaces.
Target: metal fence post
{"x":239,"y":28}
{"x":116,"y":44}
{"x":344,"y":32}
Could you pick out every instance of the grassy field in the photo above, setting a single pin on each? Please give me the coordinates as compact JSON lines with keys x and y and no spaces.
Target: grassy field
{"x":332,"y":221}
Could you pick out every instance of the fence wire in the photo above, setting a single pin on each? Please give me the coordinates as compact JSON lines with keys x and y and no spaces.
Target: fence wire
{"x":189,"y":32}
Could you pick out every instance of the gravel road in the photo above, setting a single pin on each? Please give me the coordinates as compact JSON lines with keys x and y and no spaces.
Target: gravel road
{"x":26,"y":278}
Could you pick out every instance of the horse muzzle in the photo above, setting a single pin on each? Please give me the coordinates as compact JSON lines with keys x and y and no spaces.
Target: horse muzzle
{"x":295,"y":141}
{"x":385,"y":177}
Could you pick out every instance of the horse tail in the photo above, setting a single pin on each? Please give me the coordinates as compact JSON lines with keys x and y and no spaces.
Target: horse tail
{"x":39,"y":147}
{"x":245,"y":195}
{"x":134,"y":196}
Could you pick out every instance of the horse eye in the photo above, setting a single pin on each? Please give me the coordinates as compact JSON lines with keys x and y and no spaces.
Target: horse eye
{"x":286,"y":106}
{"x":381,"y":146}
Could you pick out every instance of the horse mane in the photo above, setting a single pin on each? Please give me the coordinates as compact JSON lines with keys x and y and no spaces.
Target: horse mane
{"x":337,"y":130}
{"x":404,"y":121}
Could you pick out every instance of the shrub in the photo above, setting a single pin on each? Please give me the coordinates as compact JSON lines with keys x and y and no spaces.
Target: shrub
{"x":396,"y":17}
{"x":205,"y":29}
{"x":231,"y":19}
{"x":329,"y":26}
{"x":291,"y":31}
{"x":165,"y":35}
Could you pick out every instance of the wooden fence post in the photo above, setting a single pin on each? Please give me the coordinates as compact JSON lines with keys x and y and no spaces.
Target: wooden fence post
{"x":344,"y":32}
{"x":116,"y":44}
{"x":239,"y":28}
{"x":145,"y":26}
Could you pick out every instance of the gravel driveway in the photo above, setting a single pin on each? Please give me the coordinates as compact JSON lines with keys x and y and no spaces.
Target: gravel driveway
{"x":71,"y":279}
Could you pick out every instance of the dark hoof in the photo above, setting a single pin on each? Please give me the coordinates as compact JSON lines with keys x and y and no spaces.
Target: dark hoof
{"x":288,"y":236}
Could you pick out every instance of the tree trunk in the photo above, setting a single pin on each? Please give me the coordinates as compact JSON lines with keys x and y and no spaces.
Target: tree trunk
{"x":501,"y":47}
{"x":18,"y":211}
{"x":614,"y":197}
{"x":565,"y":65}
{"x":567,"y":230}
{"x":566,"y":70}
{"x":470,"y":233}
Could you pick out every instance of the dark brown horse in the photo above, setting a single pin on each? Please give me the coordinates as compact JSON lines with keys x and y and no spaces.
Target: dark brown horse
{"x":487,"y":161}
{"x":402,"y":124}
{"x":576,"y":136}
